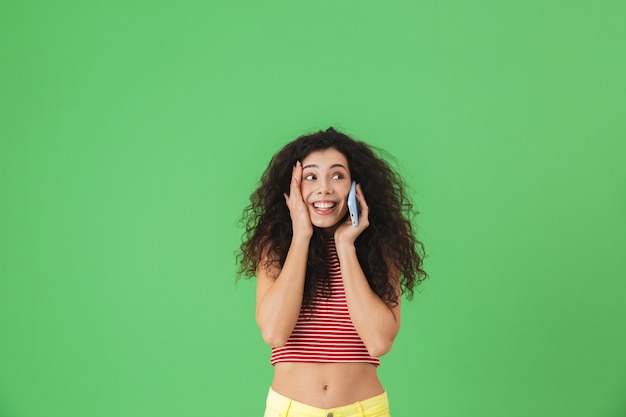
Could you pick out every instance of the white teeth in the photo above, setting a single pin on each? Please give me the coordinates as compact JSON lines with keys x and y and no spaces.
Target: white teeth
{"x":324,"y":205}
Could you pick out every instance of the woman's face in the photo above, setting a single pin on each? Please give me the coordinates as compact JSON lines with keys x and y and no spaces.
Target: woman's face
{"x":325,"y":186}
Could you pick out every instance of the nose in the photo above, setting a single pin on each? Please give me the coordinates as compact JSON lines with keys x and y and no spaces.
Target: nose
{"x":323,"y":187}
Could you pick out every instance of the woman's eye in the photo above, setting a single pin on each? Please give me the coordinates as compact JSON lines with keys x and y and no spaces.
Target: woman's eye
{"x":337,"y":176}
{"x":309,"y":177}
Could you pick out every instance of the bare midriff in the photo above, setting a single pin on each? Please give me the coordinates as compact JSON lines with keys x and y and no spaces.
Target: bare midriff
{"x":326,"y":385}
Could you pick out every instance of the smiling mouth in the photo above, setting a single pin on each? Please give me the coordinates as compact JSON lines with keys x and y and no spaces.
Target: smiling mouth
{"x":324,"y":205}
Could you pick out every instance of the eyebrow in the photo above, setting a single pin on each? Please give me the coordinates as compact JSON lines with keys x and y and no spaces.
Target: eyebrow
{"x":331,"y":167}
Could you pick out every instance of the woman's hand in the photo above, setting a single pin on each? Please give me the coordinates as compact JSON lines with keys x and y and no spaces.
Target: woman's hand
{"x":346,"y":233}
{"x":300,"y":218}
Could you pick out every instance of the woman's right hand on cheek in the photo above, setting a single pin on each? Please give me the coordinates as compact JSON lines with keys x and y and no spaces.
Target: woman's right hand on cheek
{"x":300,"y":219}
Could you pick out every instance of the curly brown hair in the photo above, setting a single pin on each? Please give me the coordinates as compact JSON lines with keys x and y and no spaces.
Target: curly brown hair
{"x":389,"y":241}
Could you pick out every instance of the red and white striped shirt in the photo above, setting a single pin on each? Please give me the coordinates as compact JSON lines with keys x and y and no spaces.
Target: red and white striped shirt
{"x":324,"y":332}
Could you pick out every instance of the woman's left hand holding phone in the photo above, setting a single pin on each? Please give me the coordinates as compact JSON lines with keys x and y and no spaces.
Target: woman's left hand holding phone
{"x":346,"y":233}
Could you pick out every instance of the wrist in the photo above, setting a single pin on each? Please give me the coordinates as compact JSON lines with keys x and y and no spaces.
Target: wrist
{"x":344,"y":248}
{"x":301,"y":236}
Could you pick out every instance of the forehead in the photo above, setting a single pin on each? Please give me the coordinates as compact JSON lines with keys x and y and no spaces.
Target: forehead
{"x":325,"y":158}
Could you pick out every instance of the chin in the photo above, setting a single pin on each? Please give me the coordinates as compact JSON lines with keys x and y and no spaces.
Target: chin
{"x":325,"y":225}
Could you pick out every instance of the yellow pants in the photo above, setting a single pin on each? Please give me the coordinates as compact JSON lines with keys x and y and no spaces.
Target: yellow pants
{"x":281,"y":406}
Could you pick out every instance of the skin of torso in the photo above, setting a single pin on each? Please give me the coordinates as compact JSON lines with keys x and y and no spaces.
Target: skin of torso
{"x":326,"y":385}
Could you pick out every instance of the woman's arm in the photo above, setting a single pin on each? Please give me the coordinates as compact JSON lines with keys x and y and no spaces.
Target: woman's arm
{"x":278,"y":300}
{"x":376,"y":323}
{"x":279,"y":292}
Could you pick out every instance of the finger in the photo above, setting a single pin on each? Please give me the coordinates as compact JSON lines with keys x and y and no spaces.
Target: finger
{"x":298,"y":173}
{"x":359,"y":191}
{"x":293,"y":185}
{"x":360,"y":197}
{"x":297,"y":179}
{"x":363,"y":207}
{"x":295,"y":189}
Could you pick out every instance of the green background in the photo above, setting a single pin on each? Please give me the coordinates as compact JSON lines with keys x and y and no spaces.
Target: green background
{"x":132,"y":133}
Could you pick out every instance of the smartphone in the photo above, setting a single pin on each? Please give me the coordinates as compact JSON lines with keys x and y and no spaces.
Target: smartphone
{"x":352,"y":205}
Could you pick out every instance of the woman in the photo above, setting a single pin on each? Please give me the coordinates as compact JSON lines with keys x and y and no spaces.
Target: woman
{"x":328,"y":293}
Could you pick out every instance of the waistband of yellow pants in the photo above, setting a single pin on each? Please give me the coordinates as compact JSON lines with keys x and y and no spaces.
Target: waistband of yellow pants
{"x":297,"y":408}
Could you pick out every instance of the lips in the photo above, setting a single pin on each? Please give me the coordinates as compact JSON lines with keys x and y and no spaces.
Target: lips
{"x":324,"y":205}
{"x":326,"y":213}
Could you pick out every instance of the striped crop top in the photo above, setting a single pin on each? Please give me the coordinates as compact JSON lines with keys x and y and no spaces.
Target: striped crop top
{"x":324,"y":332}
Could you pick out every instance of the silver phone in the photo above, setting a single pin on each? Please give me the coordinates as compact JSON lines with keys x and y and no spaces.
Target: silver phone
{"x":352,"y":205}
